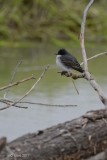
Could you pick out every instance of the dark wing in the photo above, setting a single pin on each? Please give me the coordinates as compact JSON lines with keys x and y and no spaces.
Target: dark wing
{"x":71,"y":62}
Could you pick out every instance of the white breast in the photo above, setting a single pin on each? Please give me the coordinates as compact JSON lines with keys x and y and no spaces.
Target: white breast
{"x":60,"y":65}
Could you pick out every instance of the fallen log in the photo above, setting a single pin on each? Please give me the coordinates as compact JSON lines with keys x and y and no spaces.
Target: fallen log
{"x":78,"y":139}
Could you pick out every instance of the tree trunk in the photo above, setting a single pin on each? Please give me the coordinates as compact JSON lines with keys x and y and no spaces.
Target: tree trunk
{"x":73,"y":140}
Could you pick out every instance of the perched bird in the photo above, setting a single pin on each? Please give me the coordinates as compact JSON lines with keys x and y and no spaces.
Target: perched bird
{"x":66,"y":62}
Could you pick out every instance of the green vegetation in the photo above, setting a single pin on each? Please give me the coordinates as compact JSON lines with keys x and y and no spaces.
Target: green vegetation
{"x":54,"y":21}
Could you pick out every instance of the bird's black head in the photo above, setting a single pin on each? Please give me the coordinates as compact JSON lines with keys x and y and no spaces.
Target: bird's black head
{"x":62,"y":52}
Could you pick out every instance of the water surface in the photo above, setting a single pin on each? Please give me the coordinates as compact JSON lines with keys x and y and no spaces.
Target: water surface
{"x":52,"y":89}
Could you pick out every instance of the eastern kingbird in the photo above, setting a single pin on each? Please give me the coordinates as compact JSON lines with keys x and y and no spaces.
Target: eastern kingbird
{"x":66,"y":62}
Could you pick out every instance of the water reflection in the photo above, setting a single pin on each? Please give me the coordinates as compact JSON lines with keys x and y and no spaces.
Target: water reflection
{"x":52,"y":89}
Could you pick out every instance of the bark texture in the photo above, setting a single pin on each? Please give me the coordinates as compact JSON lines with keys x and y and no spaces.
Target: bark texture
{"x":78,"y":139}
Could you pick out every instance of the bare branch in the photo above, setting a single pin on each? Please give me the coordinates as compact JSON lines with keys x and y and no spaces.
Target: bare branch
{"x":82,"y":35}
{"x":9,"y":102}
{"x":95,"y":56}
{"x":75,"y":87}
{"x":13,"y":76}
{"x":92,"y":81}
{"x":17,"y":83}
{"x":35,"y":84}
{"x":27,"y":93}
{"x":53,"y":105}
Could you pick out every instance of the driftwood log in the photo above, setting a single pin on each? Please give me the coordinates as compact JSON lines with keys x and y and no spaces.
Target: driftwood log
{"x":78,"y":139}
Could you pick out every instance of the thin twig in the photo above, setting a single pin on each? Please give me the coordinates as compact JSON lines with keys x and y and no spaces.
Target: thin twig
{"x":95,"y":56}
{"x":17,"y":83}
{"x":6,"y":101}
{"x":27,"y":93}
{"x":75,"y":87}
{"x":13,"y":76}
{"x":53,"y":105}
{"x":9,"y":102}
{"x":34,"y":85}
{"x":92,"y":81}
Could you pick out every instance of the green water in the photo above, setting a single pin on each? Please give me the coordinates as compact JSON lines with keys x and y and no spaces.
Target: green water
{"x":52,"y":89}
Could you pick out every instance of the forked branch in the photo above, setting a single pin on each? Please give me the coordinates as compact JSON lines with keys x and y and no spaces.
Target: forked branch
{"x":28,"y":92}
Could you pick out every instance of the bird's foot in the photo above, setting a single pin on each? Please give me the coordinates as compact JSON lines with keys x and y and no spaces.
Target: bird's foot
{"x":63,"y":73}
